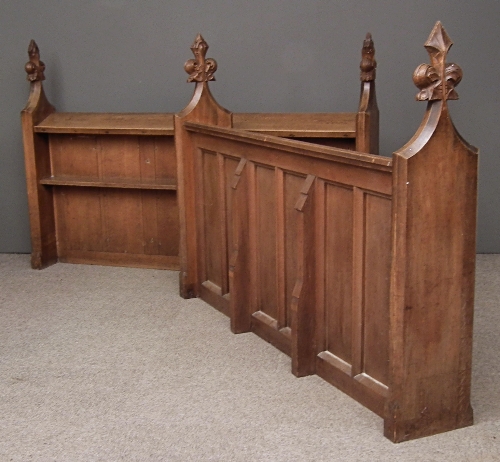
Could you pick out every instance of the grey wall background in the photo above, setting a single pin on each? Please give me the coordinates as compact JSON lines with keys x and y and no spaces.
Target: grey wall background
{"x":273,"y":56}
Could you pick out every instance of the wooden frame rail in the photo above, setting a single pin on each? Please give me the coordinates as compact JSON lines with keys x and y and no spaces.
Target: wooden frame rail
{"x":102,"y":188}
{"x":359,"y":267}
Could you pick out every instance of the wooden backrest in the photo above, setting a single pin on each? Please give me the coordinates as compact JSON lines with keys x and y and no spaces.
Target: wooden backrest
{"x":248,"y":189}
{"x":117,"y":173}
{"x":359,"y":267}
{"x":354,"y":131}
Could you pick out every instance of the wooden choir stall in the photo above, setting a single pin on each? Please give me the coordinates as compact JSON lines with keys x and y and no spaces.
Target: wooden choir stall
{"x":359,"y":267}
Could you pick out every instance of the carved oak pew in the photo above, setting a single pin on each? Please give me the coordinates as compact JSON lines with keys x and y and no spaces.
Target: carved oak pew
{"x":359,"y":267}
{"x":102,"y":188}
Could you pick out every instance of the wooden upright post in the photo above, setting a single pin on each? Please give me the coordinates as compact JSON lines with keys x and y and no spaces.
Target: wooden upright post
{"x":367,"y":119}
{"x":37,"y":165}
{"x":239,"y":263}
{"x":202,"y":109}
{"x":432,"y":278}
{"x":304,"y":293}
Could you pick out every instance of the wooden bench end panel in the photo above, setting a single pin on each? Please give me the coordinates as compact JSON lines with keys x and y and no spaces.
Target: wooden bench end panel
{"x":432,"y":281}
{"x":203,"y":108}
{"x":37,"y":165}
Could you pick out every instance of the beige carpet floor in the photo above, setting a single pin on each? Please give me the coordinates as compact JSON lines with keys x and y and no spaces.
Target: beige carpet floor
{"x":109,"y":364}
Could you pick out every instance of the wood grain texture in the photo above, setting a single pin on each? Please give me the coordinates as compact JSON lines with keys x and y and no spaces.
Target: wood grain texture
{"x":128,"y":225}
{"x":268,"y":230}
{"x":121,"y":181}
{"x":107,"y":124}
{"x":303,"y":313}
{"x":432,"y":282}
{"x":202,"y":108}
{"x":290,"y":125}
{"x":359,"y":267}
{"x":384,"y":255}
{"x":432,"y":276}
{"x":367,"y":118}
{"x":99,"y":184}
{"x":37,"y":165}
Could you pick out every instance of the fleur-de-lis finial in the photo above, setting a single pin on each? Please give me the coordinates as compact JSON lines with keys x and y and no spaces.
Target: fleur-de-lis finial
{"x":437,"y":80}
{"x":34,"y":67}
{"x":368,"y":64}
{"x":200,"y":69}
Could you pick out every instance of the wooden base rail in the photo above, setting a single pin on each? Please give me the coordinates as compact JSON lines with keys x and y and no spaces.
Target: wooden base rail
{"x":102,"y":188}
{"x":359,"y":267}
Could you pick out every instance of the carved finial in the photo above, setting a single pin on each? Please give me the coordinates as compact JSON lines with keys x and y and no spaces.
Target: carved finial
{"x":438,"y":80}
{"x":368,"y":64}
{"x":200,"y":69}
{"x":34,"y":67}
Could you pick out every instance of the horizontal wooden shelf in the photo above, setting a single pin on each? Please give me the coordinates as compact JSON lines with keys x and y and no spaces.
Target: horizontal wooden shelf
{"x":107,"y":124}
{"x":299,"y":125}
{"x":169,"y":184}
{"x":289,"y":125}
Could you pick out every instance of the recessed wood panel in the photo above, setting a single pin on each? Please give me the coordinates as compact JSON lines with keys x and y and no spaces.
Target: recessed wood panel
{"x":157,"y":158}
{"x":74,"y":156}
{"x":377,"y":262}
{"x":338,"y":270}
{"x":147,"y":151}
{"x":212,"y":204}
{"x":79,"y":224}
{"x":266,"y":212}
{"x":168,"y":223}
{"x":119,"y":157}
{"x":160,"y":223}
{"x":123,"y":224}
{"x":230,"y":165}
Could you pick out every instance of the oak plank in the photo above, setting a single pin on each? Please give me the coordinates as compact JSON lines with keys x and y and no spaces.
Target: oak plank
{"x":86,"y":123}
{"x":303,"y":125}
{"x":124,"y":183}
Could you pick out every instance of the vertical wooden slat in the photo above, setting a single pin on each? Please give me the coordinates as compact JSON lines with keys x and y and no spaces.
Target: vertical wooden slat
{"x":320,"y":239}
{"x":292,"y":187}
{"x":252,"y":239}
{"x":147,"y":162}
{"x":199,"y":212}
{"x":122,"y":209}
{"x":240,"y":263}
{"x":120,"y":157}
{"x":212,"y":218}
{"x":75,"y":206}
{"x":266,"y":241}
{"x":357,"y":298}
{"x":168,"y":223}
{"x":165,"y":160}
{"x":147,"y":158}
{"x":123,"y":221}
{"x":37,"y":166}
{"x":280,"y":248}
{"x":338,"y":270}
{"x":303,"y":323}
{"x":376,"y":287}
{"x":231,"y":172}
{"x":222,"y":203}
{"x":150,"y":231}
{"x":167,"y":208}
